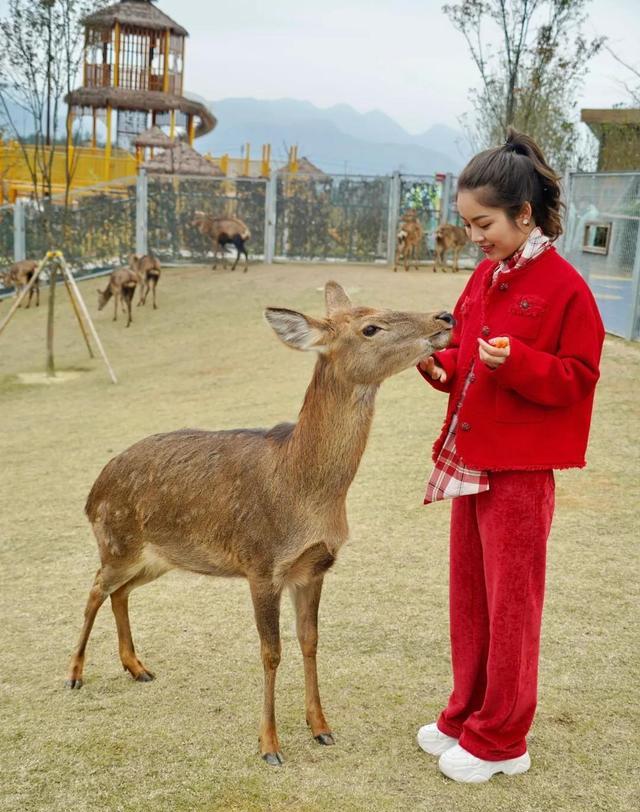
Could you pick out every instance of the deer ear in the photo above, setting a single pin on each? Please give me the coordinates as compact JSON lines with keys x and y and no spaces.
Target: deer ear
{"x":336,"y":298}
{"x":297,"y":330}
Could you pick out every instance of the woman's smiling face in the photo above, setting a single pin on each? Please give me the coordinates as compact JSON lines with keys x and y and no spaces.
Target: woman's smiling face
{"x":490,"y":228}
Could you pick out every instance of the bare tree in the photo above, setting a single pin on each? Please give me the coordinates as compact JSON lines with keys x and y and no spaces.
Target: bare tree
{"x":40,"y":55}
{"x":532,"y":59}
{"x":632,"y":90}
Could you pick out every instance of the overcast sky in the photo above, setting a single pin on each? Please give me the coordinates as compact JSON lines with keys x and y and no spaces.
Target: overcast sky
{"x":400,"y":56}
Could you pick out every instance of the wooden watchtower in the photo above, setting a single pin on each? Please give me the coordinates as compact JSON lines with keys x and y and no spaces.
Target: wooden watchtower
{"x":133,"y":76}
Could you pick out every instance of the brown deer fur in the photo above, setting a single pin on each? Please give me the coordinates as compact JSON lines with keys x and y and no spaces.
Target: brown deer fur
{"x":122,"y":286}
{"x":19,"y":275}
{"x":264,"y":504}
{"x":449,"y":237}
{"x":147,"y":267}
{"x":409,"y":239}
{"x":222,"y":232}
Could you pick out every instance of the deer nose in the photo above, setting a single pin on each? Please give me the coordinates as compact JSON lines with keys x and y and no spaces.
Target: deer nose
{"x":447,"y":318}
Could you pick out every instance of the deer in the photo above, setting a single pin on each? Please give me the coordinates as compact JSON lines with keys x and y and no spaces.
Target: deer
{"x":147,"y":268}
{"x":122,"y":286}
{"x":223,"y":231}
{"x":409,"y":239}
{"x":449,"y":237}
{"x":268,"y":505}
{"x":19,"y":275}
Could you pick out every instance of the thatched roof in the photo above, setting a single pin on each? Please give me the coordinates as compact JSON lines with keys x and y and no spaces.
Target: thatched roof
{"x":154,"y":137}
{"x":181,"y":159}
{"x":138,"y":13}
{"x":122,"y":99}
{"x":306,"y":168}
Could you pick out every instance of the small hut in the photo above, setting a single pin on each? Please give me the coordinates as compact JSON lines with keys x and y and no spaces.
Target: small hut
{"x":178,"y":158}
{"x":133,"y":71}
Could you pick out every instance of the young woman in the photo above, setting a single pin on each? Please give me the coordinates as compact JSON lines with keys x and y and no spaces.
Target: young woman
{"x":520,"y":372}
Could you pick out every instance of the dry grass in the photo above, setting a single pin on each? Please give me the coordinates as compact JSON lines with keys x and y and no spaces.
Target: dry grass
{"x":188,"y":740}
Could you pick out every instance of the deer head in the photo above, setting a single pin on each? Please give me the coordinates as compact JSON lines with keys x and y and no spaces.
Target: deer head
{"x":362,"y":344}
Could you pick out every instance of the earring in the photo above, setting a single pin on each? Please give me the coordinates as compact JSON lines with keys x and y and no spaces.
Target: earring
{"x":525,"y":222}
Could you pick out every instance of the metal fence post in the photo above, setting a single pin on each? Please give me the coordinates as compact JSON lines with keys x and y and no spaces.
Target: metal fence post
{"x":393,"y":216}
{"x":270,"y":214}
{"x":19,"y":243}
{"x":141,"y":213}
{"x":633,"y":326}
{"x":445,"y":200}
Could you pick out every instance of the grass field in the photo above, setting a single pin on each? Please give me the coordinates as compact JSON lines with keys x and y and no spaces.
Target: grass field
{"x":188,"y":741}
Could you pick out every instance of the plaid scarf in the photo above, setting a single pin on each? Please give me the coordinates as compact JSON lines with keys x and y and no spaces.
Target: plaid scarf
{"x":450,"y":477}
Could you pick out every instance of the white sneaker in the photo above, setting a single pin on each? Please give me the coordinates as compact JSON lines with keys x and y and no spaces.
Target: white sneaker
{"x":433,"y":741}
{"x":460,"y":765}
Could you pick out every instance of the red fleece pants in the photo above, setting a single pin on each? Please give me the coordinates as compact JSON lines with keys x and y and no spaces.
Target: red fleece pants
{"x":496,"y":591}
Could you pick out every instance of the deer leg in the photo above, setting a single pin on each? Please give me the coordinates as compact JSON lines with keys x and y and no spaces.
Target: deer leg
{"x":246,"y":259}
{"x":120,"y":607}
{"x":154,"y":285}
{"x":306,"y":600}
{"x":128,"y":297}
{"x":37,"y":287}
{"x":233,"y":267}
{"x":266,"y":605}
{"x":97,"y":596}
{"x":456,"y":255}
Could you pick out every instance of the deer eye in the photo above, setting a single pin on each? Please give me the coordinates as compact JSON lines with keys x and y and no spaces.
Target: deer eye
{"x":370,"y":330}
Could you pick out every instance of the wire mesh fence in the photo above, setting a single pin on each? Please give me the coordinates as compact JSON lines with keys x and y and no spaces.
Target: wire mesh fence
{"x":334,"y":218}
{"x":173,"y":201}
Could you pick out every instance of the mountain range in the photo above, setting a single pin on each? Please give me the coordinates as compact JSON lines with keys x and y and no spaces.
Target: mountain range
{"x":336,"y":139}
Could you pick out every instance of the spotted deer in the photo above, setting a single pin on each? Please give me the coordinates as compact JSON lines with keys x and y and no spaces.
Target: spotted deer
{"x":19,"y":275}
{"x":267,"y":505}
{"x":224,"y":231}
{"x":147,"y":267}
{"x":409,"y":240}
{"x":122,"y":287}
{"x":449,"y":237}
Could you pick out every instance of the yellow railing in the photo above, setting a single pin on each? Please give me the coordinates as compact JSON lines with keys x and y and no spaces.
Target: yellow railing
{"x":94,"y":165}
{"x":89,"y":166}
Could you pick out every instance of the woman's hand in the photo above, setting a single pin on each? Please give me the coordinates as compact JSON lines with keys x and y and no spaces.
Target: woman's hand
{"x":494,"y":352}
{"x":432,"y":369}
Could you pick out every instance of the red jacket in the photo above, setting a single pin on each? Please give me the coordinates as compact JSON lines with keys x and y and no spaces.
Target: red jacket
{"x":533,"y":411}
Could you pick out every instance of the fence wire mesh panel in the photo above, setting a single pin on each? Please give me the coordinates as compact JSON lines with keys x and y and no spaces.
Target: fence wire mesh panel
{"x":422,"y":194}
{"x":6,"y":236}
{"x":174,"y":200}
{"x":93,"y":231}
{"x":332,"y":218}
{"x":602,"y":240}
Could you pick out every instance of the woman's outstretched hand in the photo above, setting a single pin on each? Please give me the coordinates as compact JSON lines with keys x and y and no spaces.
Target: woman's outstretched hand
{"x":432,"y":369}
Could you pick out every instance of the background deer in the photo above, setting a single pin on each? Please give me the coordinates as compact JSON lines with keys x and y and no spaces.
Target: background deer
{"x":19,"y":274}
{"x":224,"y":231}
{"x":449,"y":237}
{"x":122,"y":286}
{"x":266,"y":505}
{"x":409,"y":240}
{"x":147,"y":267}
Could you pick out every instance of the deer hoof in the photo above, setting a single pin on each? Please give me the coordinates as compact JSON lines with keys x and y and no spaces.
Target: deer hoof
{"x":325,"y":738}
{"x":273,"y":759}
{"x":73,"y":683}
{"x":145,"y":676}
